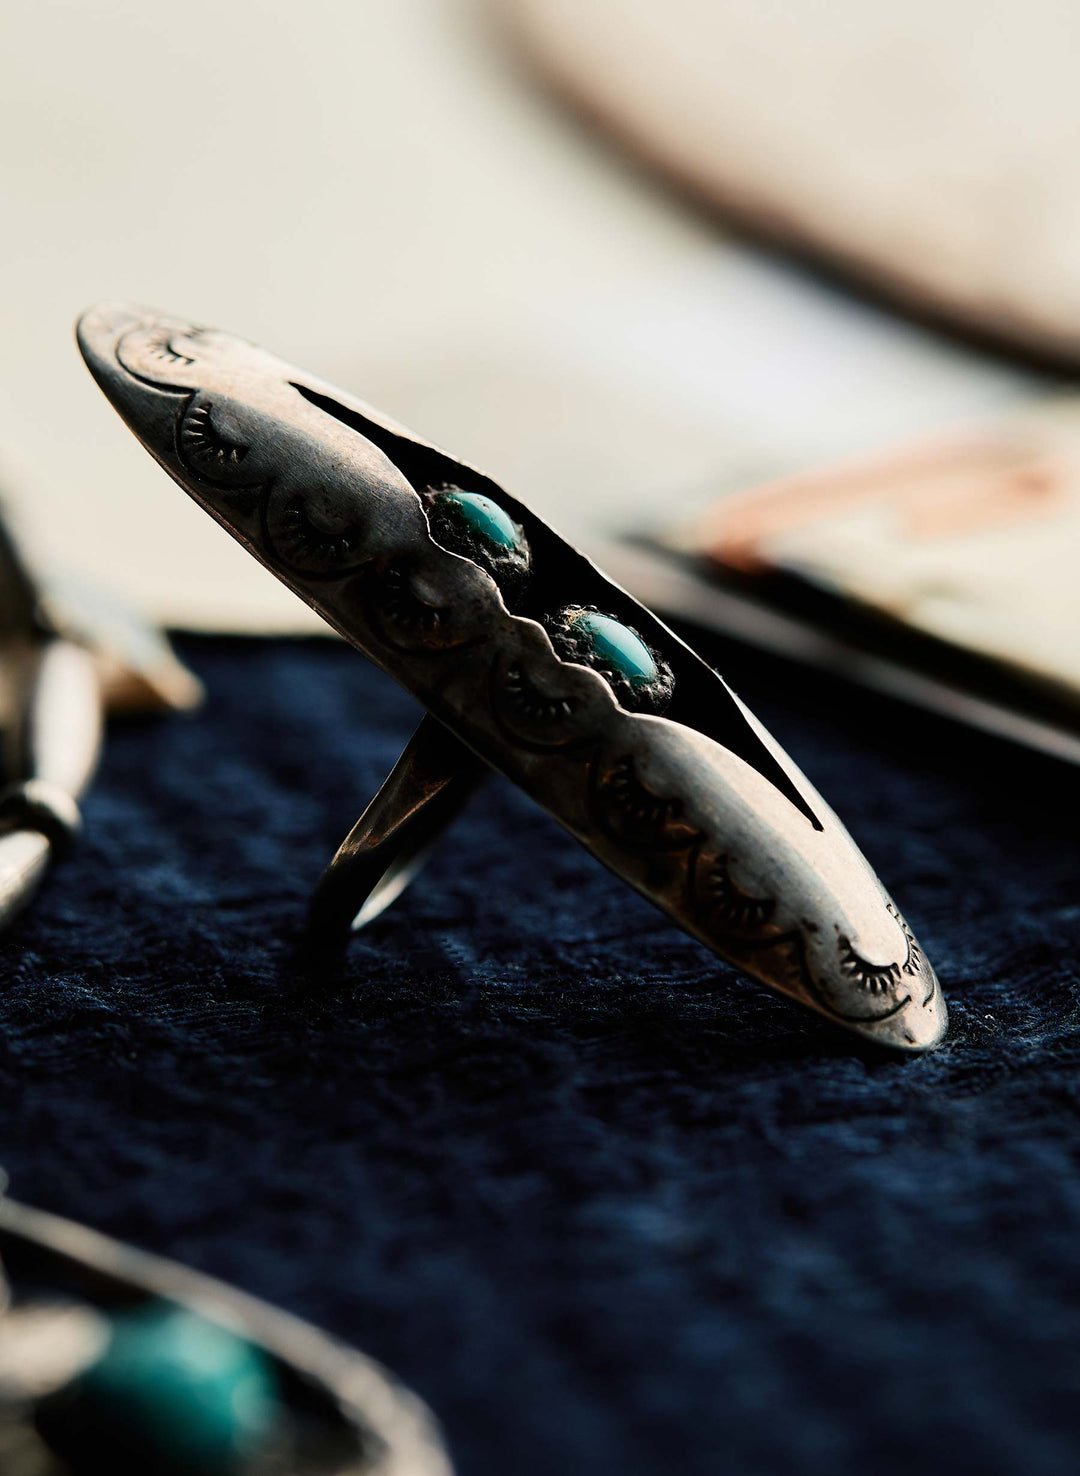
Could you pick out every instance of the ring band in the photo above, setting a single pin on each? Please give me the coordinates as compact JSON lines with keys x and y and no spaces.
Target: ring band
{"x":427,"y":787}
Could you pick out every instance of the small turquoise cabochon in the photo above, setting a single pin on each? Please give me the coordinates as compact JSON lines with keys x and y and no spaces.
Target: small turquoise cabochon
{"x":615,"y":646}
{"x":641,"y":680}
{"x":482,"y":516}
{"x":474,"y":526}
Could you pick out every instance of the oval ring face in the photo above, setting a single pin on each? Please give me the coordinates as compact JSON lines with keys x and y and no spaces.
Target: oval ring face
{"x":726,"y":836}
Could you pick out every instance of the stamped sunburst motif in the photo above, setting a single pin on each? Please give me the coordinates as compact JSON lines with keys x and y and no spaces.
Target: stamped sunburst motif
{"x":873,"y":978}
{"x":727,"y":905}
{"x":535,"y":703}
{"x":914,"y":962}
{"x":401,"y":617}
{"x":528,"y":698}
{"x":159,"y":346}
{"x":632,"y":813}
{"x":202,"y":445}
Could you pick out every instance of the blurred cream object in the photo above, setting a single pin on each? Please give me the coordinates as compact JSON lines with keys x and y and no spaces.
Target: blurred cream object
{"x":434,"y":237}
{"x":974,"y":539}
{"x":137,"y":668}
{"x":54,"y":736}
{"x":929,"y":149}
{"x":56,"y":675}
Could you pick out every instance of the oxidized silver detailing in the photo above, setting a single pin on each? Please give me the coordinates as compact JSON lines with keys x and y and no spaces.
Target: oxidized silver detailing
{"x":632,"y":815}
{"x":537,"y":706}
{"x":727,"y":905}
{"x":699,"y":810}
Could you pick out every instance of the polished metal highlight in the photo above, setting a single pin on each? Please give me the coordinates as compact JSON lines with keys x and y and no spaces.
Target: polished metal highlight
{"x":695,"y":806}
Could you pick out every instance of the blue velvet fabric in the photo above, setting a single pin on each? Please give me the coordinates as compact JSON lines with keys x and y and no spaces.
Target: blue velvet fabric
{"x":606,"y":1205}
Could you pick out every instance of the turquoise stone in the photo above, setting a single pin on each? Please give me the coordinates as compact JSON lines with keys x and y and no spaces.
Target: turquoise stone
{"x":171,"y":1393}
{"x":617,"y":648}
{"x":481,"y":516}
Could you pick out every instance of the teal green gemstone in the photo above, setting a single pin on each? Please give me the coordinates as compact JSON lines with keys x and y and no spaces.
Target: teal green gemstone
{"x":482,"y":516}
{"x":172,"y":1392}
{"x":618,"y":648}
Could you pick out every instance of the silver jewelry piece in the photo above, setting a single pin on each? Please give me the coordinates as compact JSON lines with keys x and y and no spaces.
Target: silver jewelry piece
{"x":529,"y":660}
{"x":115,"y":1360}
{"x":51,"y":714}
{"x":68,"y":654}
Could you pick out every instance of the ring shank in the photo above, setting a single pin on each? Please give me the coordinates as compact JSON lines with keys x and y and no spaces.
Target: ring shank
{"x":424,"y":792}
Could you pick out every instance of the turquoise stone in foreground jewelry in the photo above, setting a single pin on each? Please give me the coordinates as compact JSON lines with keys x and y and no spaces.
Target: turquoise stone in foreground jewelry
{"x":170,"y":1393}
{"x":117,"y":1363}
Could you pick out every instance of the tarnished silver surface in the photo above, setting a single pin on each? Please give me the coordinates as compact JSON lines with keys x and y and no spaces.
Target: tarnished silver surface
{"x":66,"y":654}
{"x":52,"y":751}
{"x":699,"y":809}
{"x":359,"y":1421}
{"x":51,"y":715}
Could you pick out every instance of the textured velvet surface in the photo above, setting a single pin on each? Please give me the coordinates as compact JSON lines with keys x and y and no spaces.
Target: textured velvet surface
{"x":606,"y":1205}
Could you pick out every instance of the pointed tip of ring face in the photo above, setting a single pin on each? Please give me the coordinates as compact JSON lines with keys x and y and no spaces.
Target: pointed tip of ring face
{"x":921,"y":1026}
{"x":119,"y":342}
{"x":100,"y":328}
{"x":105,"y":321}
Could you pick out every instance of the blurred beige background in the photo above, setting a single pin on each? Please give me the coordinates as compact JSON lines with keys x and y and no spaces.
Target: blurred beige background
{"x":375,"y":190}
{"x":929,"y":149}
